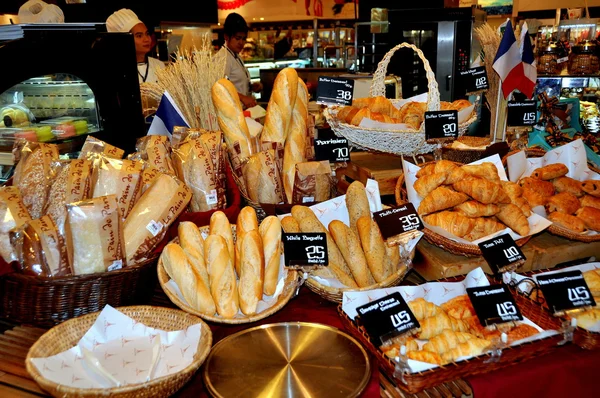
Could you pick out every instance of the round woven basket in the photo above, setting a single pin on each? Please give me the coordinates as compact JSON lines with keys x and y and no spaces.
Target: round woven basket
{"x":290,"y":286}
{"x":64,"y":336}
{"x":461,"y":249}
{"x":553,"y":228}
{"x":409,"y":142}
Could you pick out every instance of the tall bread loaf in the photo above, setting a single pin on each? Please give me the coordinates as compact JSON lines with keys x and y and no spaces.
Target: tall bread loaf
{"x":295,"y":144}
{"x":252,"y":272}
{"x":357,"y":203}
{"x":219,"y":225}
{"x":281,"y":105}
{"x":270,"y":232}
{"x":223,"y":284}
{"x":246,"y":222}
{"x":349,"y":244}
{"x":374,"y":248}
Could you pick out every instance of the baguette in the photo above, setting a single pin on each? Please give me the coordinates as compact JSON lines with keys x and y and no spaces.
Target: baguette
{"x":190,"y":236}
{"x":357,"y":203}
{"x":223,"y":285}
{"x":349,"y":245}
{"x":270,"y":232}
{"x":281,"y":105}
{"x":246,"y":222}
{"x":290,"y":225}
{"x":252,"y":272}
{"x":219,"y":225}
{"x":295,"y":144}
{"x":374,"y":248}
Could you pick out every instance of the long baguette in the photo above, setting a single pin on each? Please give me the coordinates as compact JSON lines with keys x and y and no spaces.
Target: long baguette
{"x":374,"y":248}
{"x":281,"y":104}
{"x":252,"y":273}
{"x":290,"y":225}
{"x":295,"y":144}
{"x":190,"y":236}
{"x":223,"y":285}
{"x":270,"y":232}
{"x":357,"y":203}
{"x":219,"y":225}
{"x":247,"y":221}
{"x":349,"y":244}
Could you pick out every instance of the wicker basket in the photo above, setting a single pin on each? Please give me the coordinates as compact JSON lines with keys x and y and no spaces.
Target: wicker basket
{"x":554,"y":228}
{"x":66,"y":335}
{"x":466,"y":156}
{"x":397,"y":142}
{"x":417,"y":382}
{"x":461,"y":249}
{"x":47,"y":302}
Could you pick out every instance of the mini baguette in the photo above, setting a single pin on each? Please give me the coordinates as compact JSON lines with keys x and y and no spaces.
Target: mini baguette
{"x":196,"y":259}
{"x":270,"y":232}
{"x":295,"y":144}
{"x":219,"y":225}
{"x":374,"y":248}
{"x":357,"y":203}
{"x":349,"y":244}
{"x":281,"y":105}
{"x":223,"y":284}
{"x":190,"y":236}
{"x":246,"y":222}
{"x":252,"y":267}
{"x":290,"y":225}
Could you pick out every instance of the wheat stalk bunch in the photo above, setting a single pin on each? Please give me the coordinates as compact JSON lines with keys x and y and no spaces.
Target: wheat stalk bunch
{"x":490,"y":42}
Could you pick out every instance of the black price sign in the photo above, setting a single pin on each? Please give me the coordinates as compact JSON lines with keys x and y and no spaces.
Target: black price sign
{"x":494,"y":304}
{"x":501,"y":253}
{"x":332,"y":149}
{"x":521,"y":113}
{"x":387,"y":317}
{"x":334,"y":90}
{"x":441,"y":125}
{"x":305,"y":249}
{"x":398,"y":220}
{"x":565,"y":291}
{"x":475,"y":79}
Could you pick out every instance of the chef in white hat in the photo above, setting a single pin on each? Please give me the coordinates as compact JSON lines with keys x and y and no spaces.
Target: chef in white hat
{"x":38,"y":11}
{"x":124,"y":21}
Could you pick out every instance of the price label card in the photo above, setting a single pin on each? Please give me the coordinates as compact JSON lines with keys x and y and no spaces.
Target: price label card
{"x":305,"y":249}
{"x":501,"y":253}
{"x":475,"y":79}
{"x":521,"y":113}
{"x":565,"y":291}
{"x":334,"y":91}
{"x":334,"y":149}
{"x":387,"y":317}
{"x":494,"y":304}
{"x":398,"y":220}
{"x":441,"y":125}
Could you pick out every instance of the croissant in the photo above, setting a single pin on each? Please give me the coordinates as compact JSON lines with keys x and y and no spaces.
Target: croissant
{"x":459,"y":307}
{"x":425,"y":185}
{"x":514,"y":218}
{"x":515,"y":193}
{"x":485,"y":170}
{"x":347,"y":113}
{"x":591,"y":187}
{"x":589,"y":318}
{"x":422,"y":308}
{"x":435,"y":325}
{"x":590,"y":201}
{"x":469,"y":348}
{"x":483,"y":191}
{"x":453,"y":222}
{"x":533,"y":198}
{"x":426,"y":170}
{"x":550,"y":171}
{"x":445,"y":166}
{"x":544,"y":188}
{"x":567,"y":221}
{"x":521,"y":331}
{"x":567,"y":184}
{"x":359,"y":116}
{"x":441,"y":198}
{"x":425,"y":356}
{"x":564,"y":202}
{"x":455,"y":175}
{"x":460,"y":104}
{"x":475,"y":209}
{"x":377,"y":104}
{"x":590,"y":216}
{"x":483,"y":228}
{"x":592,"y":278}
{"x":447,"y":340}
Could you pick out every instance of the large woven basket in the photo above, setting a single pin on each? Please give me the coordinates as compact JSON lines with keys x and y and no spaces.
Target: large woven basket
{"x":46,"y":302}
{"x":64,"y":336}
{"x":554,"y":228}
{"x":400,"y":142}
{"x":417,"y":382}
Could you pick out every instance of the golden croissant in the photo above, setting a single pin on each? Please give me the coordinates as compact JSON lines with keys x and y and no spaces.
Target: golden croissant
{"x":425,"y":185}
{"x":592,"y":278}
{"x":422,"y":308}
{"x":425,"y":356}
{"x":435,"y":325}
{"x":445,"y":166}
{"x":459,"y":307}
{"x":469,"y":348}
{"x":451,"y":221}
{"x":483,"y":228}
{"x":426,"y":170}
{"x":483,"y":191}
{"x":475,"y":209}
{"x":447,"y":340}
{"x":485,"y":170}
{"x":441,"y":198}
{"x":514,"y":218}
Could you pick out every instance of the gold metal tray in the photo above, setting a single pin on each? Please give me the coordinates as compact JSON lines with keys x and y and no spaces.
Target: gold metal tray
{"x":294,"y":359}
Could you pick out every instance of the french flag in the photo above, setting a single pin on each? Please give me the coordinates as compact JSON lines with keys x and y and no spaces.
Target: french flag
{"x":508,"y":63}
{"x":167,"y":117}
{"x":529,"y":65}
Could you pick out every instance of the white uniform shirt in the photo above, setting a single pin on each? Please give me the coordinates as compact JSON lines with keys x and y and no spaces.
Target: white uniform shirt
{"x":150,"y":68}
{"x":236,"y":72}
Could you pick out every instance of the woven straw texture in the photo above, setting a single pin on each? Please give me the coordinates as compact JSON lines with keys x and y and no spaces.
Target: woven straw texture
{"x":66,"y":335}
{"x":466,"y":156}
{"x":47,"y":302}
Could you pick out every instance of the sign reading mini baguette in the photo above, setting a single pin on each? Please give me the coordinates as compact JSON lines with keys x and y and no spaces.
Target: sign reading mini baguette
{"x":305,"y":249}
{"x":387,"y":317}
{"x":565,"y":291}
{"x":334,"y":149}
{"x":441,"y":125}
{"x":474,"y":79}
{"x":494,"y":304}
{"x":334,"y":91}
{"x":521,"y":113}
{"x":502,"y":253}
{"x":399,"y":220}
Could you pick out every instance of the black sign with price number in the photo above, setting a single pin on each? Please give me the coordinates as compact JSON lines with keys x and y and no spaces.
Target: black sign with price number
{"x":334,"y":90}
{"x":305,"y":249}
{"x":387,"y":317}
{"x":565,"y":291}
{"x":474,"y":79}
{"x":494,"y":304}
{"x":398,"y":220}
{"x":334,"y":149}
{"x":521,"y":113}
{"x":501,"y":252}
{"x":441,"y":125}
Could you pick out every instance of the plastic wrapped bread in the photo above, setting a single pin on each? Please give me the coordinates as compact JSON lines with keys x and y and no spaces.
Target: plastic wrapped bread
{"x":118,"y":177}
{"x":156,"y":150}
{"x":13,"y":214}
{"x":93,"y":146}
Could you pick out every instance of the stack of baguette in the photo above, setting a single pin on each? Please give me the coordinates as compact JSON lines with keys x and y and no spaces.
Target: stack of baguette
{"x":470,"y":201}
{"x":358,"y":255}
{"x":222,"y":274}
{"x":569,"y":203}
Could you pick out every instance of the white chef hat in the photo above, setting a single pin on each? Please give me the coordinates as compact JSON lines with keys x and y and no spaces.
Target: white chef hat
{"x":37,"y":11}
{"x":122,"y":21}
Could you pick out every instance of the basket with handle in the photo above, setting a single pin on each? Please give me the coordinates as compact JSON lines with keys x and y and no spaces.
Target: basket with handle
{"x":399,"y":142}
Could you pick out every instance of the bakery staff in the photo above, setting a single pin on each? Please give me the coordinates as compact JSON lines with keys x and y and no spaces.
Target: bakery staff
{"x":124,"y":21}
{"x":236,"y":32}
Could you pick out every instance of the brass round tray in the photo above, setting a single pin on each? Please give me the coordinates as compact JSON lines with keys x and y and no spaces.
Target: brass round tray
{"x":287,"y":360}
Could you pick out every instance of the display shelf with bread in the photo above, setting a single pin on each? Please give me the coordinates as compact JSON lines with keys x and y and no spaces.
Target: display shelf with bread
{"x":394,"y":126}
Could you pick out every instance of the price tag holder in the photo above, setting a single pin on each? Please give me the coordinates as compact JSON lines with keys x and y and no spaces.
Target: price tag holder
{"x":441,"y":125}
{"x":334,"y":91}
{"x":494,"y":304}
{"x":521,"y":113}
{"x":387,"y":317}
{"x":305,"y":249}
{"x":397,"y":221}
{"x":502,"y":253}
{"x":334,"y":149}
{"x":565,"y":291}
{"x":475,"y":79}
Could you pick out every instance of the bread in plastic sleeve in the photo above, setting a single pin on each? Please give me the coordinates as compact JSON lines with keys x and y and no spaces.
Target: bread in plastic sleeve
{"x":118,"y":177}
{"x":263,"y":182}
{"x":312,"y":183}
{"x":13,"y":214}
{"x":149,"y":174}
{"x":93,"y":146}
{"x":156,"y":150}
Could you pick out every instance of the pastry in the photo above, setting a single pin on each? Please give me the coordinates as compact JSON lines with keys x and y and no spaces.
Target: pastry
{"x":590,"y":216}
{"x":422,"y":309}
{"x":588,"y":319}
{"x":592,"y":278}
{"x":441,"y":198}
{"x":515,"y":193}
{"x":533,"y":198}
{"x":459,"y":307}
{"x":426,"y":170}
{"x":590,"y":201}
{"x":543,"y":188}
{"x":447,"y":340}
{"x":425,"y":185}
{"x":550,"y":171}
{"x":484,"y":191}
{"x":567,"y":221}
{"x":444,"y":166}
{"x":435,"y":325}
{"x":484,"y":227}
{"x":425,"y":356}
{"x":564,"y":202}
{"x":567,"y":184}
{"x":471,"y":347}
{"x":514,"y":218}
{"x":475,"y":209}
{"x":591,"y":187}
{"x":485,"y":170}
{"x":453,"y":222}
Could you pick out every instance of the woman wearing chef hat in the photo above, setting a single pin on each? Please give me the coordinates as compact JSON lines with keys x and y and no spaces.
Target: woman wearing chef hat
{"x":124,"y":21}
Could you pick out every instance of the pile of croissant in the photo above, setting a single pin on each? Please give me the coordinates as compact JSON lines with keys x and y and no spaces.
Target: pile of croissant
{"x":470,"y":201}
{"x":569,"y":203}
{"x":222,"y":275}
{"x":382,"y":110}
{"x":451,"y":331}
